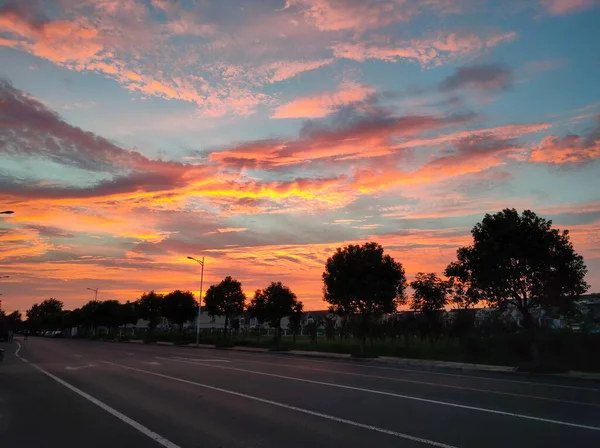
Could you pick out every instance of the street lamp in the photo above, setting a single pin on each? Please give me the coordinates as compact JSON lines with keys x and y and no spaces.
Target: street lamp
{"x":201,"y":262}
{"x":7,"y":212}
{"x":95,"y":292}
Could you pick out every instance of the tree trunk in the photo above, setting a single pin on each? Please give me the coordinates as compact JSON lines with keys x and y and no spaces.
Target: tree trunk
{"x":530,"y":327}
{"x":225,"y":327}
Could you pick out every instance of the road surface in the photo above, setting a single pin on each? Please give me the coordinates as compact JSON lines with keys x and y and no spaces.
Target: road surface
{"x":75,"y":393}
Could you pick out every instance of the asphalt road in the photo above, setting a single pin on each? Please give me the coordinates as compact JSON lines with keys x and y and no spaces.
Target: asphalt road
{"x":71,"y":393}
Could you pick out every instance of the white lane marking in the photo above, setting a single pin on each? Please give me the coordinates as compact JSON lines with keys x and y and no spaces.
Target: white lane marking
{"x":141,"y":428}
{"x":399,"y":369}
{"x":80,"y":367}
{"x":76,"y":355}
{"x":151,"y":363}
{"x":129,"y":353}
{"x":391,"y":394}
{"x":202,"y":359}
{"x":293,"y":408}
{"x":425,"y":371}
{"x":425,"y":383}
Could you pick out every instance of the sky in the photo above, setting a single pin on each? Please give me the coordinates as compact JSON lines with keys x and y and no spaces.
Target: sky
{"x":264,"y":134}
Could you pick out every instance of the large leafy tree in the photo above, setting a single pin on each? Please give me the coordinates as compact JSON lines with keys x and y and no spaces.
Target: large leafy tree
{"x":46,"y":315}
{"x":362,"y":280}
{"x":150,"y":307}
{"x":274,"y":303}
{"x":225,"y":299}
{"x":520,"y":260}
{"x":180,"y":307}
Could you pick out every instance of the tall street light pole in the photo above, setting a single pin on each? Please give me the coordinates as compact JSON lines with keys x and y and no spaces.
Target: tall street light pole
{"x":95,"y":293}
{"x":201,"y":262}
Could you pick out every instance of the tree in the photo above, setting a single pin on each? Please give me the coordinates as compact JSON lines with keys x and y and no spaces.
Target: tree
{"x":180,"y":307}
{"x":275,"y":302}
{"x":150,"y":307}
{"x":225,"y":299}
{"x":430,"y":297}
{"x":33,"y":318}
{"x":295,"y":319}
{"x":14,"y":321}
{"x":108,"y":314}
{"x":46,"y":315}
{"x":257,"y":310}
{"x":90,"y":315}
{"x":127,"y":314}
{"x":520,"y":260}
{"x":362,"y":280}
{"x":462,"y":294}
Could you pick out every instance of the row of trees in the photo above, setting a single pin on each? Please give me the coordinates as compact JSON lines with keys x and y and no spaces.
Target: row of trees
{"x":516,"y":260}
{"x":177,"y":306}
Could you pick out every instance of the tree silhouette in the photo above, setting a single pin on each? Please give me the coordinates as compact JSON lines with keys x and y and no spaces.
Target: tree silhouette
{"x":362,"y":280}
{"x":521,"y":261}
{"x":180,"y":307}
{"x":430,"y":297}
{"x":274,"y":303}
{"x":150,"y":307}
{"x":225,"y":299}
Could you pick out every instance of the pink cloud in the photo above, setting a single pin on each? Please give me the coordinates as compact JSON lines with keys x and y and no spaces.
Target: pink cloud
{"x":282,"y":70}
{"x":569,"y":150}
{"x":321,"y":105}
{"x":564,"y":7}
{"x":338,"y":15}
{"x":431,"y":51}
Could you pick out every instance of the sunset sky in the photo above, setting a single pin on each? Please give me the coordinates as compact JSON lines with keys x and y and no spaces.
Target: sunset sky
{"x":263,"y":134}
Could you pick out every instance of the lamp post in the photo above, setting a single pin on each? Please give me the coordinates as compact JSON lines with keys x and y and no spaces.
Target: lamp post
{"x":95,"y":293}
{"x":201,"y":262}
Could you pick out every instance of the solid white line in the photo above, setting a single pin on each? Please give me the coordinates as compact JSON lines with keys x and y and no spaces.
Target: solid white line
{"x":293,"y":408}
{"x":391,"y":394}
{"x":405,"y":380}
{"x":201,"y":359}
{"x":425,"y":371}
{"x":141,"y":428}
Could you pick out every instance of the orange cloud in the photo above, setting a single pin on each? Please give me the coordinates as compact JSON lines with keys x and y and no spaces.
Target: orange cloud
{"x":564,"y":7}
{"x":572,"y":149}
{"x":321,"y":105}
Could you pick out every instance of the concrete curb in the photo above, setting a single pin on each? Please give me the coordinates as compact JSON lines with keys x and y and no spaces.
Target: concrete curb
{"x":392,"y":361}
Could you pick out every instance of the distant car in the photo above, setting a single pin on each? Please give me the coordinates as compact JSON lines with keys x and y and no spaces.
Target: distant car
{"x":48,"y":334}
{"x":57,"y":334}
